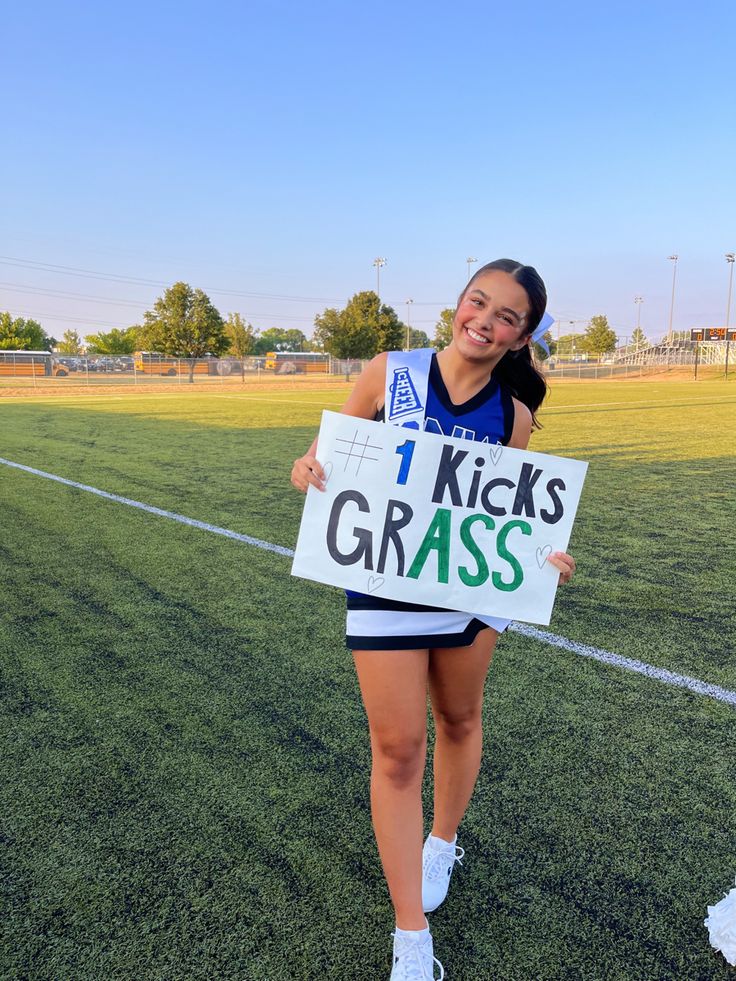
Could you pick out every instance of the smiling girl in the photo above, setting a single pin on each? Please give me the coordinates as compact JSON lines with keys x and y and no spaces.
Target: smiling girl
{"x":485,"y":385}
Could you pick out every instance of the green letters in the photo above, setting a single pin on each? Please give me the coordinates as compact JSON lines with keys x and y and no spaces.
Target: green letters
{"x":503,"y":553}
{"x":467,"y":539}
{"x":437,"y":538}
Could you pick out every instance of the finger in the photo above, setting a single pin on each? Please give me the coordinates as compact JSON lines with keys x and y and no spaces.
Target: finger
{"x":315,"y":481}
{"x":564,"y":568}
{"x":306,"y":476}
{"x":310,"y":463}
{"x":561,"y":560}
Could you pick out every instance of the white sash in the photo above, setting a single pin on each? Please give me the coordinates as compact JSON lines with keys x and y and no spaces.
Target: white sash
{"x":407,"y":382}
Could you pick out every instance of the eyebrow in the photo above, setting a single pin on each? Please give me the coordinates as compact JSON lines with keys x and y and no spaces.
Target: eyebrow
{"x":519,"y":316}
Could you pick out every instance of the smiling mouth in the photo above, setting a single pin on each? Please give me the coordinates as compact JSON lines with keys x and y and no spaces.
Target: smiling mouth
{"x":475,"y":336}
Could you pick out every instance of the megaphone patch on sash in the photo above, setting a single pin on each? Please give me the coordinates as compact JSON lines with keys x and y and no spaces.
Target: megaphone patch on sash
{"x":404,"y":396}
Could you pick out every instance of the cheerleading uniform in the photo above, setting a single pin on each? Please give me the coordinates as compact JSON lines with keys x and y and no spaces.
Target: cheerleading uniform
{"x":377,"y":624}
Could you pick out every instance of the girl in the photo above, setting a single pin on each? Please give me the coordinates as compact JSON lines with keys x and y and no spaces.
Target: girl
{"x":485,"y":382}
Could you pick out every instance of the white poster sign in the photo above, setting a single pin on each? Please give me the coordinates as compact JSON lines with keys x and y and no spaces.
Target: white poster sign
{"x":438,"y":521}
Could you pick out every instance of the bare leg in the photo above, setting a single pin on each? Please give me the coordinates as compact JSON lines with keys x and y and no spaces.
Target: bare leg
{"x":456,"y":678}
{"x":394,"y":689}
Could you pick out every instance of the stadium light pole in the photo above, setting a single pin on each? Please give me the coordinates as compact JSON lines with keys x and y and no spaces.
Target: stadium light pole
{"x":730,"y":259}
{"x":470,"y":260}
{"x":672,"y":303}
{"x":380,"y":261}
{"x":408,"y":323}
{"x":570,"y":323}
{"x":638,"y":300}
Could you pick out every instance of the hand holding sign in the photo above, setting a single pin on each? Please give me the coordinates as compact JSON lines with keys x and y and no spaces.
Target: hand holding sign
{"x":441,"y":521}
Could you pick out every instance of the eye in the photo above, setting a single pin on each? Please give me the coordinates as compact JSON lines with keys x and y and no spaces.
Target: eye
{"x":506,"y":319}
{"x":474,"y":299}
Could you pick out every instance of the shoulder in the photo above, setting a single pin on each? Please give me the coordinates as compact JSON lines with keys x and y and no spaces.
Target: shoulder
{"x":378,"y":364}
{"x":367,"y":394}
{"x":522,"y":425}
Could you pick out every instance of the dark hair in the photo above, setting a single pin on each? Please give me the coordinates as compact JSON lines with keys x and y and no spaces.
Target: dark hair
{"x":516,"y":369}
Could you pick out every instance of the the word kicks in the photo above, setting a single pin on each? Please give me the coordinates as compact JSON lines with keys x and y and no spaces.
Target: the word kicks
{"x":437,"y":866}
{"x":414,"y":960}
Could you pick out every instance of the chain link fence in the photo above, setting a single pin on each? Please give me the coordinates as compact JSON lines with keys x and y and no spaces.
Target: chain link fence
{"x":34,"y":367}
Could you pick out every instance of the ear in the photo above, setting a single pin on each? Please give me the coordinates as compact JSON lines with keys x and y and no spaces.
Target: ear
{"x":522,"y":342}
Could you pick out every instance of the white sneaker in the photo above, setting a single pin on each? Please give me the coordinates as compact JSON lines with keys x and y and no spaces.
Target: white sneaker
{"x":437,"y":866}
{"x":414,"y":961}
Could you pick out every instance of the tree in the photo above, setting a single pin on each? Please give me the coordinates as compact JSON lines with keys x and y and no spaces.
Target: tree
{"x":241,"y":335}
{"x":417,"y":338}
{"x":569,"y":344}
{"x":17,"y":334}
{"x":599,"y":338}
{"x":114,"y":342}
{"x":639,"y":339}
{"x":391,"y":331}
{"x":184,"y":324}
{"x":71,"y":344}
{"x":539,"y":353}
{"x":280,"y":339}
{"x":361,"y":330}
{"x":443,"y":329}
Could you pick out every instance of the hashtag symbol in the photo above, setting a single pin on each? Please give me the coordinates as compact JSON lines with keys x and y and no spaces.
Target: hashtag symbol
{"x":357,"y":451}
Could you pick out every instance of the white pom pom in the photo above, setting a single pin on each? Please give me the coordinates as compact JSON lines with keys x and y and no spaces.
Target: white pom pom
{"x":721,"y":923}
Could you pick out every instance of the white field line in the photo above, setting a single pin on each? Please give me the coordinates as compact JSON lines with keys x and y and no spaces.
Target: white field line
{"x":254,"y":397}
{"x":155,"y":396}
{"x":554,"y":640}
{"x":317,"y":404}
{"x":628,"y":663}
{"x":203,"y":525}
{"x":664,"y":403}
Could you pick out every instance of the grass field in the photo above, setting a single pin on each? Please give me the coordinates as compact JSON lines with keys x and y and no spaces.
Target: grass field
{"x":185,"y":765}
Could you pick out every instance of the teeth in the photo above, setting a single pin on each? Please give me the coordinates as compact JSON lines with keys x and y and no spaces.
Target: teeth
{"x":477,"y":337}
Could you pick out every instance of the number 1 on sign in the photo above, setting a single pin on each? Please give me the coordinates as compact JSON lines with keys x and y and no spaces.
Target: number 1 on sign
{"x":405,"y":451}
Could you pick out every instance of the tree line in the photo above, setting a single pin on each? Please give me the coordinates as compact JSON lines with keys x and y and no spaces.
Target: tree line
{"x":184,"y":323}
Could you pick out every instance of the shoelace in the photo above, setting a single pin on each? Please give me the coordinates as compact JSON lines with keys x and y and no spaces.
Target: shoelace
{"x":435,"y":863}
{"x":412,"y":957}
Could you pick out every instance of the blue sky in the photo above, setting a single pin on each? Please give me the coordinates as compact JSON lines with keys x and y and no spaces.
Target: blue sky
{"x":279,"y":148}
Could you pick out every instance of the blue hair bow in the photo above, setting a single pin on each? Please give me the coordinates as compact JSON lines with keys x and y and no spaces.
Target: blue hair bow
{"x":544,"y":324}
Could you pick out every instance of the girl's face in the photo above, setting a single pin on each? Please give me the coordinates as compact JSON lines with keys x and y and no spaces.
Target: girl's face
{"x":491,"y":318}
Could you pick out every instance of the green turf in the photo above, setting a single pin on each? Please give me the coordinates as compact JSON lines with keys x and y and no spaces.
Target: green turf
{"x":185,"y":768}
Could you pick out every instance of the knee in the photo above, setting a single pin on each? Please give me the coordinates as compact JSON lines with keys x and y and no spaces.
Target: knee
{"x":399,"y":758}
{"x":459,"y":726}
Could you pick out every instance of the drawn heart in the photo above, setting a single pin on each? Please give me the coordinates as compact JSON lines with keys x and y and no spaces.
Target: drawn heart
{"x":542,"y":554}
{"x":327,"y":467}
{"x":374,"y":583}
{"x":496,"y":452}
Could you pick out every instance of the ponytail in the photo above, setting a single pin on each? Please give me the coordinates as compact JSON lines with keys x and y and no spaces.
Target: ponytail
{"x":518,"y":372}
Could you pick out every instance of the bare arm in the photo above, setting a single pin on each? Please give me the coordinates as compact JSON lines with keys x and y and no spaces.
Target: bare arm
{"x":362,"y":402}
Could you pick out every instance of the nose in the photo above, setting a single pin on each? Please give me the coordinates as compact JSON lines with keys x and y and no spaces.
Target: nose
{"x":485,"y":320}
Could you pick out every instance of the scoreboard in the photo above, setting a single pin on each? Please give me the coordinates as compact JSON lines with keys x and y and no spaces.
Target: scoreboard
{"x":713,"y":334}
